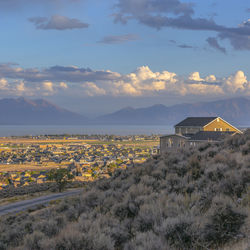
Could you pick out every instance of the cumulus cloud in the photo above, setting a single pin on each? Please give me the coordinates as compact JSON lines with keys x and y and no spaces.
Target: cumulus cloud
{"x":3,"y":84}
{"x":119,"y":39}
{"x":91,"y":89}
{"x":143,"y":82}
{"x":63,"y":85}
{"x":48,"y":86}
{"x":195,"y":76}
{"x":21,"y":87}
{"x":211,"y":78}
{"x":57,"y":22}
{"x":236,"y":83}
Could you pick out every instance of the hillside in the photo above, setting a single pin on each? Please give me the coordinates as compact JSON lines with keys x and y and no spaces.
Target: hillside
{"x":23,"y":111}
{"x":193,"y":199}
{"x":236,"y":111}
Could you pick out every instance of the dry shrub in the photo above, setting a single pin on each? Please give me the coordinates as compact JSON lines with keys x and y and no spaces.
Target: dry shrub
{"x":33,"y":241}
{"x":224,"y":222}
{"x":179,"y":232}
{"x":147,"y":241}
{"x":148,"y":217}
{"x":189,"y":199}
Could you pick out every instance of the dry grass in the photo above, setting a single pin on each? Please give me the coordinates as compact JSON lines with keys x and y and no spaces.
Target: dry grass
{"x":10,"y":200}
{"x":27,"y":167}
{"x":37,"y":141}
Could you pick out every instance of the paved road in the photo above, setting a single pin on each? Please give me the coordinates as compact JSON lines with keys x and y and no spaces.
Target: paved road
{"x":23,"y":205}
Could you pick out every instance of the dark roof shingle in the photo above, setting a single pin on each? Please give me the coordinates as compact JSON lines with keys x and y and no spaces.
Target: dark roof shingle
{"x":210,"y":136}
{"x":195,"y":121}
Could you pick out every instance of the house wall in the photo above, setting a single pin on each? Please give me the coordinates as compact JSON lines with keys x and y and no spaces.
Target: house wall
{"x":172,"y":142}
{"x":187,"y":130}
{"x":219,"y":125}
{"x":193,"y":144}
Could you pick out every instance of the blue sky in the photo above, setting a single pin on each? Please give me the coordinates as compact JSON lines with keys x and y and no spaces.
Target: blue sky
{"x":118,"y":53}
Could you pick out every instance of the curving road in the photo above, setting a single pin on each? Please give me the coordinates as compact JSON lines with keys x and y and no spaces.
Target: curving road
{"x":23,"y":205}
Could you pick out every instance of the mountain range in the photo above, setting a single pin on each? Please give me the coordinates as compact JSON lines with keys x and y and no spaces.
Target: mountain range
{"x":235,"y":110}
{"x":22,"y":111}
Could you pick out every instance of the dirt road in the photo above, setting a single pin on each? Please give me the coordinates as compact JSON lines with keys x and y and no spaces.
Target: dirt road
{"x":23,"y":205}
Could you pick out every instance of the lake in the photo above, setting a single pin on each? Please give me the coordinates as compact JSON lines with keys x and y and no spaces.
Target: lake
{"x":13,"y":130}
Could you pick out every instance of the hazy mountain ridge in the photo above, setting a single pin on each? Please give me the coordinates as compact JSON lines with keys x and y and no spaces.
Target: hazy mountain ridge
{"x":22,"y":111}
{"x":236,"y":110}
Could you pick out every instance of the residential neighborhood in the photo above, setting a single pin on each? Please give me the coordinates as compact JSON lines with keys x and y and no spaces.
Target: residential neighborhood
{"x":26,"y":161}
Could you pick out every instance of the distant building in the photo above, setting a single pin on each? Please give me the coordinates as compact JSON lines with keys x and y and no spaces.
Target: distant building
{"x":194,"y":131}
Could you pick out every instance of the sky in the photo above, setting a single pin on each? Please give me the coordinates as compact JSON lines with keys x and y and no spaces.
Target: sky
{"x":97,"y":56}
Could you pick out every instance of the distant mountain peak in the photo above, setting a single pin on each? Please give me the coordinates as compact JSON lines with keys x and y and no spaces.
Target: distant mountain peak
{"x":233,"y":110}
{"x":36,"y":112}
{"x":128,"y":108}
{"x":159,"y":106}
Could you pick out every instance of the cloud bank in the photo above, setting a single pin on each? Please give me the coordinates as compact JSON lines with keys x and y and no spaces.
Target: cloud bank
{"x":176,"y":14}
{"x":143,"y":82}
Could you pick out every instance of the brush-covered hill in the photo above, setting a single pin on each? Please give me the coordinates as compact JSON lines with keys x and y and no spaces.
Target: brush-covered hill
{"x":192,"y":199}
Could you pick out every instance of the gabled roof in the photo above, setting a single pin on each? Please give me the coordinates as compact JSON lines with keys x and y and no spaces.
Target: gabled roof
{"x":210,"y":136}
{"x":175,"y":135}
{"x":195,"y":121}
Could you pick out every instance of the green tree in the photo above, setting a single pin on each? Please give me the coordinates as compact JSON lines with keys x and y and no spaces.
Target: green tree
{"x":61,"y":176}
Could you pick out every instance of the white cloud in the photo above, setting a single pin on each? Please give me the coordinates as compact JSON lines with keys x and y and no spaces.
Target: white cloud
{"x":195,"y":76}
{"x":48,"y":86}
{"x":236,"y":83}
{"x":91,"y":89}
{"x":3,"y":84}
{"x":20,"y":87}
{"x":211,"y":78}
{"x":63,"y":85}
{"x":143,"y":82}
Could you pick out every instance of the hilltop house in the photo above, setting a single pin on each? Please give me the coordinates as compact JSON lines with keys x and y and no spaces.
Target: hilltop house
{"x":193,"y":131}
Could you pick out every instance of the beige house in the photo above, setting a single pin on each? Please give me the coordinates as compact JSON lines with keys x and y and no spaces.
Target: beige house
{"x":194,"y":131}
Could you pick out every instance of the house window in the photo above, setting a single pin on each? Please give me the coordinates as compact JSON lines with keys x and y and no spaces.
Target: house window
{"x":227,"y":129}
